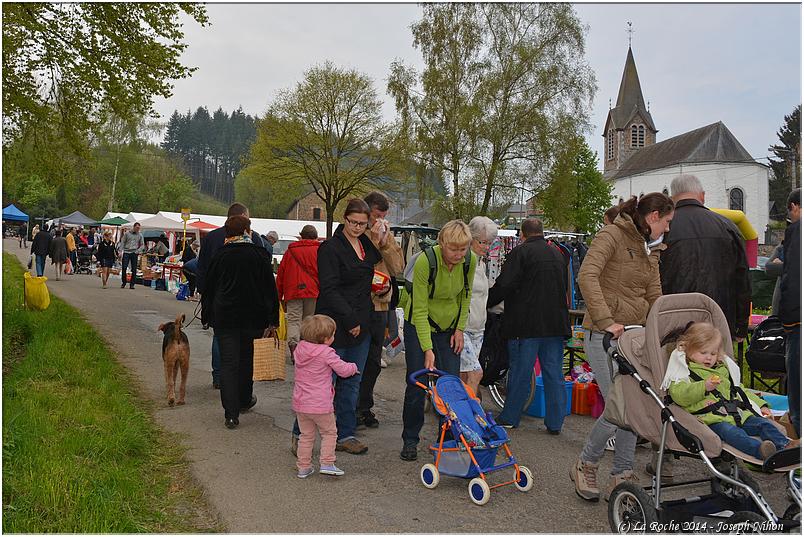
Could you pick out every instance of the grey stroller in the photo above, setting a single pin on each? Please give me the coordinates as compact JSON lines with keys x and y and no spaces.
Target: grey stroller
{"x":734,"y":500}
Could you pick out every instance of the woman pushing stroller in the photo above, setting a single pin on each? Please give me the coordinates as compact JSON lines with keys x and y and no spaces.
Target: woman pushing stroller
{"x":706,"y":383}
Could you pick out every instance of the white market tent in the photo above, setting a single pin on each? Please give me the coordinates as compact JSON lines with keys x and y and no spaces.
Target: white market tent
{"x":137,"y":217}
{"x":110,"y":214}
{"x":286,"y":229}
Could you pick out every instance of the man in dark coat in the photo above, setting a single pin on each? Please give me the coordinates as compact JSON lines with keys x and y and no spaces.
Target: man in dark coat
{"x":706,"y":254}
{"x":533,"y":284}
{"x":790,"y":305}
{"x":40,"y":248}
{"x":210,"y":245}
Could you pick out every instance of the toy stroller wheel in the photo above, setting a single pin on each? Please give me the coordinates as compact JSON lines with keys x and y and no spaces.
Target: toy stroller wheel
{"x":631,"y":510}
{"x":430,"y":476}
{"x":793,"y":512}
{"x":479,"y":491}
{"x":525,"y":482}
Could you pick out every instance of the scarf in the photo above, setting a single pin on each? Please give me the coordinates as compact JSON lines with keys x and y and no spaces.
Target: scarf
{"x":242,"y":238}
{"x":679,"y":371}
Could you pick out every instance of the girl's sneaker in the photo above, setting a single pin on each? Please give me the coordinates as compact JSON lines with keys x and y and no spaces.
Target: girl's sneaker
{"x":610,"y":443}
{"x":329,"y":469}
{"x":305,"y":472}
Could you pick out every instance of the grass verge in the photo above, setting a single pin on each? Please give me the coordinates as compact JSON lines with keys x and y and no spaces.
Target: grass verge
{"x":81,"y":451}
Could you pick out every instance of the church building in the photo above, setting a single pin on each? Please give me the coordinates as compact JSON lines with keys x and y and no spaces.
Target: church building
{"x":637,"y":164}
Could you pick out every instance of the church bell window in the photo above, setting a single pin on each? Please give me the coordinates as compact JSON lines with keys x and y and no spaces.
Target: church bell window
{"x":610,"y":145}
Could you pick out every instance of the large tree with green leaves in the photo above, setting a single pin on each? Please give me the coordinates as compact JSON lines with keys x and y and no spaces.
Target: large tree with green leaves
{"x":76,"y":58}
{"x":327,"y":133}
{"x":504,"y":87}
{"x":576,"y":194}
{"x":787,"y":164}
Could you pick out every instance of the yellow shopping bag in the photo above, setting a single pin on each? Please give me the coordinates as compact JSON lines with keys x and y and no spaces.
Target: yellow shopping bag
{"x":36,"y":294}
{"x":282,"y":331}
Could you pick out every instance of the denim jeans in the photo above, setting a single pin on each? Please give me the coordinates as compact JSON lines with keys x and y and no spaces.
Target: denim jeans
{"x":740,"y":437}
{"x":377,"y":324}
{"x":74,"y":259}
{"x":445,"y":360}
{"x":522,"y":355}
{"x":40,"y":265}
{"x":129,"y":258}
{"x":347,"y":390}
{"x":216,"y":360}
{"x":793,"y":362}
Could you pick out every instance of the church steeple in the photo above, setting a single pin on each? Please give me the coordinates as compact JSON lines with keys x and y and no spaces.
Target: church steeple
{"x":629,"y":126}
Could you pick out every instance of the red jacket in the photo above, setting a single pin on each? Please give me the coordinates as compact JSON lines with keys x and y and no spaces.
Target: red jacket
{"x":297,"y":276}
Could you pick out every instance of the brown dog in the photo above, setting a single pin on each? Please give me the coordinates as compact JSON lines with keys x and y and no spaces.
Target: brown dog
{"x":175,"y":353}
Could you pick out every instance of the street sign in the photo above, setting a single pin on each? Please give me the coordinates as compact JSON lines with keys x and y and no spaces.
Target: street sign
{"x":185,"y":214}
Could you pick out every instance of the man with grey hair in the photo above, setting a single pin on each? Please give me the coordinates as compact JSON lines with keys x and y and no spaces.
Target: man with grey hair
{"x":706,"y":254}
{"x":269,"y":239}
{"x":533,"y":284}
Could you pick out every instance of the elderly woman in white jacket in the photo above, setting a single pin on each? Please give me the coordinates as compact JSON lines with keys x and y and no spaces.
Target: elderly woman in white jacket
{"x":484,"y":231}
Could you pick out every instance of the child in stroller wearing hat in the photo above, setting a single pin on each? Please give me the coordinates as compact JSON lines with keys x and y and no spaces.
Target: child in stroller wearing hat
{"x":706,"y":383}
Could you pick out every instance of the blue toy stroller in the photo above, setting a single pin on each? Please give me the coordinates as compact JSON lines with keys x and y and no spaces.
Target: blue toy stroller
{"x":472,"y":452}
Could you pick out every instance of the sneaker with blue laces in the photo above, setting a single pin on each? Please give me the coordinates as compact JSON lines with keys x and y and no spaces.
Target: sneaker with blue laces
{"x":330,"y":469}
{"x":305,"y":472}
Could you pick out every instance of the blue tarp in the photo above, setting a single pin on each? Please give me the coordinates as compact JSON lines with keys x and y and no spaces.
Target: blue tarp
{"x":12,"y":213}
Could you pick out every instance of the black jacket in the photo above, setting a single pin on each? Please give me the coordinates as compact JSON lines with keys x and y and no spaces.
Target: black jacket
{"x":106,"y":250}
{"x":210,"y":245}
{"x":533,"y":283}
{"x":345,"y":285}
{"x":41,"y":243}
{"x":706,"y":254}
{"x":790,"y":290}
{"x":240,"y":289}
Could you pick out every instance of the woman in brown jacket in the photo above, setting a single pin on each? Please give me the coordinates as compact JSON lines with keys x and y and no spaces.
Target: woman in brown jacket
{"x":620,"y":281}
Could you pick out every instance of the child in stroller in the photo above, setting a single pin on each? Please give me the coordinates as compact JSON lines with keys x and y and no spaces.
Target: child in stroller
{"x":84,"y":260}
{"x":705,"y":382}
{"x":641,"y":355}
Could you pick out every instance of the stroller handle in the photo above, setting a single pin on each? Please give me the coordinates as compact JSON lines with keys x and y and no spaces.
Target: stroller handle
{"x":416,"y":374}
{"x":608,"y":336}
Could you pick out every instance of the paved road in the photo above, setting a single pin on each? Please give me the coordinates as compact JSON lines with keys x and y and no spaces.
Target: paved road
{"x":249,"y":473}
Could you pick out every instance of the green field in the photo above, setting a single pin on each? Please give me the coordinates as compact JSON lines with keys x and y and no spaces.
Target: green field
{"x":81,"y":451}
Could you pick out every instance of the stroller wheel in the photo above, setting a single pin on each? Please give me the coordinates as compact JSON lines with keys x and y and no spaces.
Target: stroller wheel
{"x":525,"y":482}
{"x":793,"y":512}
{"x":430,"y":476}
{"x":479,"y":491}
{"x":750,"y":522}
{"x":631,"y":510}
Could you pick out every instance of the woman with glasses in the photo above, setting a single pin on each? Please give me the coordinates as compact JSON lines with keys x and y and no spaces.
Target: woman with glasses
{"x":484,"y":231}
{"x":345,"y":271}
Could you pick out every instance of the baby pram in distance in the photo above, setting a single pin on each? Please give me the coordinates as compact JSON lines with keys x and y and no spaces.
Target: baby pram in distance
{"x":471,"y":453}
{"x":84,"y":260}
{"x":734,"y":495}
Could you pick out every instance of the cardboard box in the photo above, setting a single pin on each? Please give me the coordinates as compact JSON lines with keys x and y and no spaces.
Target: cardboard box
{"x":784,"y":420}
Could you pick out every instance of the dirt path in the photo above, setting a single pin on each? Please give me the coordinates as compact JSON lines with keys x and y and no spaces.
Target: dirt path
{"x":249,"y":473}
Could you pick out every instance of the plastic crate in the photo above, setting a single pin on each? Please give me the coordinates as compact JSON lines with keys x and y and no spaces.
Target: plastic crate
{"x":537,"y":407}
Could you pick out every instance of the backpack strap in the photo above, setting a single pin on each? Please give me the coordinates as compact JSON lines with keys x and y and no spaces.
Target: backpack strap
{"x":432,"y":262}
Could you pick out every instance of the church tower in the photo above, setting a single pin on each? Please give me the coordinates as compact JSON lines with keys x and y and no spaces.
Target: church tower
{"x":629,"y":125}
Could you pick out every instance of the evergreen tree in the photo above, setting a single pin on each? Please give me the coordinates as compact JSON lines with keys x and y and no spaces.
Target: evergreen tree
{"x":788,"y":165}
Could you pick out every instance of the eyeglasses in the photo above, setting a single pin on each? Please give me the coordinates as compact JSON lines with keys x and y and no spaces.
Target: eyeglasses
{"x":358,"y":225}
{"x":483,"y":243}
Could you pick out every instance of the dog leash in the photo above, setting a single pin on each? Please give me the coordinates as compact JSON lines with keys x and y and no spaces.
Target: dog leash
{"x":195,"y":314}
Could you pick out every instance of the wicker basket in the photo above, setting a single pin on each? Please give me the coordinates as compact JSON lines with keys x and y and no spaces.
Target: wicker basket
{"x":269,"y":358}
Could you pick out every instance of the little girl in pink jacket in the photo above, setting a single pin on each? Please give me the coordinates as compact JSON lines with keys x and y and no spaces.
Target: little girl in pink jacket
{"x":313,"y":393}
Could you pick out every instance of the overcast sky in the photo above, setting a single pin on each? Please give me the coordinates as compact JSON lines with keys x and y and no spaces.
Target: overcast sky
{"x":697,"y":63}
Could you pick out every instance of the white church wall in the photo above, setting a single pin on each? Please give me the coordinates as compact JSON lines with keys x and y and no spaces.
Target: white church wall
{"x":717,"y":179}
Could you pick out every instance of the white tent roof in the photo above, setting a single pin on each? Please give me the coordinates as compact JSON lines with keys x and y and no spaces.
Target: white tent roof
{"x":208,"y":218}
{"x":110,"y":214}
{"x":286,"y":229}
{"x":161,"y":223}
{"x":138,"y":217}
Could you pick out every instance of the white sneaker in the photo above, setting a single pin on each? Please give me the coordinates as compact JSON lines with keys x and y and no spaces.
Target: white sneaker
{"x":383,"y":363}
{"x":610,"y":443}
{"x":330,"y":470}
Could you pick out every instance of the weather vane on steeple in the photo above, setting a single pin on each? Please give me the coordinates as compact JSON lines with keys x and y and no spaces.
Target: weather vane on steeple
{"x":630,"y":31}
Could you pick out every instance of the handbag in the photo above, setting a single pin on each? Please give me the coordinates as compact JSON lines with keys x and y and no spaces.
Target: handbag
{"x":614,"y":410}
{"x":269,"y":358}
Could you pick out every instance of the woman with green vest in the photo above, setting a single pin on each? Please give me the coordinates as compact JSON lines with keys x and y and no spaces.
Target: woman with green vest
{"x":435,"y":317}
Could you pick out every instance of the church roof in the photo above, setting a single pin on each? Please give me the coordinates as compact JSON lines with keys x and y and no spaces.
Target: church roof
{"x":712,"y":143}
{"x":630,"y":100}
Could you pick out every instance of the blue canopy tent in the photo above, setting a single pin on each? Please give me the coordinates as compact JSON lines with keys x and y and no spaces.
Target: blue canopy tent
{"x":12,"y":213}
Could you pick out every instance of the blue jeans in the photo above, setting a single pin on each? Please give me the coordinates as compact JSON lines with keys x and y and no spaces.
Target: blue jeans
{"x":129,"y":258}
{"x":445,"y":360}
{"x":74,"y":259}
{"x":740,"y":437}
{"x":347,"y":390}
{"x":522,"y":355}
{"x":793,"y":364}
{"x":216,"y":360}
{"x":40,"y":265}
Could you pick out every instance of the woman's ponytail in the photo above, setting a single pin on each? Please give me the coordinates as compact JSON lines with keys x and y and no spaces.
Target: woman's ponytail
{"x":639,"y":209}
